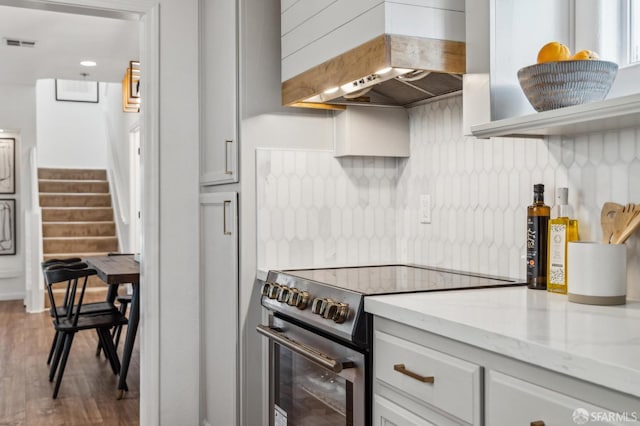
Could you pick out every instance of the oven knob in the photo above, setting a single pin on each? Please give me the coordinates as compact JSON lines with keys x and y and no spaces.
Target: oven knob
{"x":266,"y":287}
{"x":274,"y":291}
{"x":303,"y":300}
{"x":342,"y":313}
{"x":283,"y":294}
{"x":316,"y":306}
{"x":330,"y":309}
{"x":294,"y":294}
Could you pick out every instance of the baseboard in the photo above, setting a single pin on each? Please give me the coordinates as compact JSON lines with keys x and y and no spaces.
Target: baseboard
{"x":12,"y":296}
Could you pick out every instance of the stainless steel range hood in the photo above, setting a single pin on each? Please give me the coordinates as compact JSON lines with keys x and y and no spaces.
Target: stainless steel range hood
{"x":390,"y":70}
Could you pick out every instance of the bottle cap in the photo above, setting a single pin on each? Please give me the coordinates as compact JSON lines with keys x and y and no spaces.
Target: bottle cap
{"x":562,"y":195}
{"x":538,"y":187}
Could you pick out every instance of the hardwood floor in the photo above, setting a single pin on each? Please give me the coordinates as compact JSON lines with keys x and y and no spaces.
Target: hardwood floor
{"x":87,"y":392}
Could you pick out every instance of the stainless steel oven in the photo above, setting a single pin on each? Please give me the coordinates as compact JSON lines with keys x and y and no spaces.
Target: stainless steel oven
{"x":321,"y":338}
{"x":314,"y":381}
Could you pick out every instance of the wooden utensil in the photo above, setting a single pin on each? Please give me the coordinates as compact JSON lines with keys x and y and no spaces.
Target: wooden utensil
{"x":608,"y":214}
{"x":631,"y":215}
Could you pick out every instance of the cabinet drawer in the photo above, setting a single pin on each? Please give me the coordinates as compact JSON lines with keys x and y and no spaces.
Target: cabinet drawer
{"x":456,"y":383}
{"x":512,"y":401}
{"x":386,"y":413}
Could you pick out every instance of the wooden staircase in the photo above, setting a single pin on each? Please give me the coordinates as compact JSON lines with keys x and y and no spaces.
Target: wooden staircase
{"x":77,"y":218}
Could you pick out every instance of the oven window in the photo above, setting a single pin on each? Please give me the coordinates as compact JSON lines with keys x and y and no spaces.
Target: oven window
{"x":307,"y":394}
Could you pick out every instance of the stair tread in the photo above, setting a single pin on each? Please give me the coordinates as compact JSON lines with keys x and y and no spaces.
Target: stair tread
{"x":77,"y":222}
{"x":81,"y":238}
{"x":73,"y":180}
{"x":81,"y":255}
{"x":75,"y":207}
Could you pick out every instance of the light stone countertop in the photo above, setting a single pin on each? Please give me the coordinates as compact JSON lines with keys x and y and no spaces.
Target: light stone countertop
{"x":599,"y":344}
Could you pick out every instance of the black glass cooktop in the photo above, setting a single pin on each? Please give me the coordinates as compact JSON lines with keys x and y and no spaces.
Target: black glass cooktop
{"x":389,"y":279}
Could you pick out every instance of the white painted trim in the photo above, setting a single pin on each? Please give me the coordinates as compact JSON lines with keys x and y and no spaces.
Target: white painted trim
{"x":150,"y":370}
{"x":11,"y":273}
{"x":12,"y":296}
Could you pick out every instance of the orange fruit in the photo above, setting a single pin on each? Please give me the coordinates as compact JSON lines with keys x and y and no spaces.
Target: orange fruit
{"x":585,"y":54}
{"x":554,"y":51}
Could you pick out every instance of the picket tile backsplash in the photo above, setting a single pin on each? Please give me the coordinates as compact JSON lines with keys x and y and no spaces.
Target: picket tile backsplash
{"x":317,"y":210}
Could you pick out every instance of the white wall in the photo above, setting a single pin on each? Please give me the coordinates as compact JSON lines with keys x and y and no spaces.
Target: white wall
{"x":18,"y":115}
{"x":117,"y":125}
{"x":70,"y":134}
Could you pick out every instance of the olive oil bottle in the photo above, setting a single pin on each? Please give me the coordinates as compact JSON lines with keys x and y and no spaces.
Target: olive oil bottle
{"x":537,"y":228}
{"x":562,"y":230}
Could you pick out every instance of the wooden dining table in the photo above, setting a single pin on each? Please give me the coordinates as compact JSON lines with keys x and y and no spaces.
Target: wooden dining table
{"x":114,"y":270}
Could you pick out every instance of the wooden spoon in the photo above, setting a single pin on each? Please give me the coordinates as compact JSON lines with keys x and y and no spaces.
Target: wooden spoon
{"x":608,"y":214}
{"x":624,"y":223}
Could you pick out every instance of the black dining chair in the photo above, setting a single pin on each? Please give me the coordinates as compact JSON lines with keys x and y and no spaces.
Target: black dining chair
{"x":88,"y":308}
{"x":76,"y":275}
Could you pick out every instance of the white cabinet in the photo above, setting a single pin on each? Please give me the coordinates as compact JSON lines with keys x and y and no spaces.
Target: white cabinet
{"x":219,"y":307}
{"x":511,"y":401}
{"x":468,"y":385}
{"x":419,"y":381}
{"x":218,"y":53}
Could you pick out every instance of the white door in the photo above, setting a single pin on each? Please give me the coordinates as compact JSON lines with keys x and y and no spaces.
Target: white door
{"x":219,"y":307}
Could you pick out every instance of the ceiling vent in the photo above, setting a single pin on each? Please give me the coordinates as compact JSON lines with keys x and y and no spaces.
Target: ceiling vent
{"x":18,"y":43}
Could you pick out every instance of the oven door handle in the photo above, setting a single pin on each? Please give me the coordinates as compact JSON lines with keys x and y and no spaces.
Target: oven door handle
{"x":306,"y":351}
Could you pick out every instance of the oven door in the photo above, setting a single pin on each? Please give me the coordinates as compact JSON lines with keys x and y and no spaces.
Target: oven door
{"x":313,"y":380}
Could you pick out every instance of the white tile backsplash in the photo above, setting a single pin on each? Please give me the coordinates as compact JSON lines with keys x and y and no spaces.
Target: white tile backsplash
{"x":324,"y":211}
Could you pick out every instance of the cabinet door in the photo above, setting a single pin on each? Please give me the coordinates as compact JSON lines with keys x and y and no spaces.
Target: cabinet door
{"x":511,"y":401}
{"x":386,"y":413}
{"x":219,"y":307}
{"x":218,"y":92}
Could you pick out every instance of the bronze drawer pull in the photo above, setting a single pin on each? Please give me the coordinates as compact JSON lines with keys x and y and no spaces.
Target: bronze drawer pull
{"x":424,"y":379}
{"x":537,"y":423}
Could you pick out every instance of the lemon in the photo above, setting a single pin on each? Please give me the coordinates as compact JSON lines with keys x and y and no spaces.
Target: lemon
{"x":585,"y":55}
{"x":554,"y":51}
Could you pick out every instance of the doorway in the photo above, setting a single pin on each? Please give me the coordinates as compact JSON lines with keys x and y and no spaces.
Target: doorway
{"x":148,"y":14}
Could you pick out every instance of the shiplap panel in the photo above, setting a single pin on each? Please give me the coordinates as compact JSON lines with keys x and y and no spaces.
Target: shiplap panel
{"x":439,"y":4}
{"x":427,"y":22}
{"x":337,"y":15}
{"x":303,"y":10}
{"x":286,"y":4}
{"x":360,"y":30}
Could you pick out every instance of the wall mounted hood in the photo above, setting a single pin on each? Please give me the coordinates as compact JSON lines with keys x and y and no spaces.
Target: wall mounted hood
{"x":389,"y":70}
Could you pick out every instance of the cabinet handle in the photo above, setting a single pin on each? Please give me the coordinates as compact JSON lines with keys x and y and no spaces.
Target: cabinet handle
{"x":226,"y":157}
{"x":424,"y":379}
{"x":537,"y":423}
{"x":224,"y":217}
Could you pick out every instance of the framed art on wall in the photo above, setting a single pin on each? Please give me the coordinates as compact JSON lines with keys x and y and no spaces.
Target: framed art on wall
{"x":7,"y":226}
{"x":77,"y":91}
{"x":7,"y":166}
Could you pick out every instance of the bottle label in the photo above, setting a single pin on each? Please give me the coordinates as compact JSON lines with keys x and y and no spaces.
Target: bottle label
{"x":557,"y":253}
{"x":537,"y":246}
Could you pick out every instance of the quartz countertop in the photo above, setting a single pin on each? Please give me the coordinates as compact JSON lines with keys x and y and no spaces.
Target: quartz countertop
{"x":599,"y":344}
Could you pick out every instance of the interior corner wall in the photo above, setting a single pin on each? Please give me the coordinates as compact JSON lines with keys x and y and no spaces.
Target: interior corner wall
{"x":70,"y":134}
{"x":17,"y":119}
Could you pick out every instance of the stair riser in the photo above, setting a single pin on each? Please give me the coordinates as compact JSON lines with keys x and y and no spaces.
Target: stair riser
{"x":80,"y":245}
{"x":76,"y":215}
{"x":73,"y":187}
{"x":80,"y":200}
{"x":72,"y":174}
{"x":94,"y":229}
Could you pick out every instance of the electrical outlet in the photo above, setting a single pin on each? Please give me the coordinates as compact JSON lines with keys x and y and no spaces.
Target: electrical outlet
{"x":425,"y":208}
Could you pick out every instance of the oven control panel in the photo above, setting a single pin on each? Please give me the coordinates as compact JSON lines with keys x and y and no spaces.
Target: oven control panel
{"x":325,"y":307}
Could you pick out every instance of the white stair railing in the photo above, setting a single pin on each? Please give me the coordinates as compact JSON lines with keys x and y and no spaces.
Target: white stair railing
{"x":34,"y":292}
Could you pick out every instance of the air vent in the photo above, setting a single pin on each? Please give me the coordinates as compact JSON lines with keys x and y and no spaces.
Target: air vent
{"x":18,"y":43}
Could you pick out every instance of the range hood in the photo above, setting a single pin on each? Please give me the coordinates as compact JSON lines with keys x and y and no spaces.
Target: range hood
{"x":389,"y":70}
